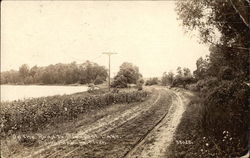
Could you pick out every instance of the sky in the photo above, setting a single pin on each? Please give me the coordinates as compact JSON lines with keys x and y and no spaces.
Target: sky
{"x":145,"y":33}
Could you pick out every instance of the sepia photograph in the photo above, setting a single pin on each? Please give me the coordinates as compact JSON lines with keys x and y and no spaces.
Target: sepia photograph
{"x":125,"y":79}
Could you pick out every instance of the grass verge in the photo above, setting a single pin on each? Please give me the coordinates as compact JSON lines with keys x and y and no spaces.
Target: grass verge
{"x":190,"y":140}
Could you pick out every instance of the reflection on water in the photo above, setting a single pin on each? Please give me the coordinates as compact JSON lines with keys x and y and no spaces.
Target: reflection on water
{"x":14,"y":92}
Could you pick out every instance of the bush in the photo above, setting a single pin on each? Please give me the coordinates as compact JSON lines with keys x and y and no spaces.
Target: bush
{"x":152,"y":81}
{"x":205,"y":85}
{"x":98,"y":80}
{"x":32,"y":114}
{"x":119,"y":82}
{"x":225,"y":108}
{"x":183,"y":81}
{"x":139,"y":83}
{"x":226,"y":73}
{"x":192,"y":87}
{"x":215,"y":122}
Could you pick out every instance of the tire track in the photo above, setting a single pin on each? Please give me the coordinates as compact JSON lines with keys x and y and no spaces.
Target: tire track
{"x":156,"y":150}
{"x":137,"y":113}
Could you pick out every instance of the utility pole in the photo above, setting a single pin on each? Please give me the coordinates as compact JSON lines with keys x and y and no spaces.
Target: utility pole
{"x":109,"y":54}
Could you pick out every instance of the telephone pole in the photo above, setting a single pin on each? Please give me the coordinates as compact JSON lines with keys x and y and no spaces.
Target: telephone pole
{"x":109,"y":54}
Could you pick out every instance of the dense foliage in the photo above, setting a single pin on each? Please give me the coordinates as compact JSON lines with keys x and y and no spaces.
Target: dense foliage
{"x":167,"y":78}
{"x":230,"y":20}
{"x":223,"y":74}
{"x":33,"y":114}
{"x":183,"y":78}
{"x":139,"y":83}
{"x":227,"y":108}
{"x":128,"y":74}
{"x":87,"y":72}
{"x":152,"y":81}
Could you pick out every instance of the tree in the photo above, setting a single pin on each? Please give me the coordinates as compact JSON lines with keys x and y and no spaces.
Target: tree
{"x":90,"y":71}
{"x":33,"y":71}
{"x":179,"y":71}
{"x":164,"y":79}
{"x":24,"y":71}
{"x":167,"y":78}
{"x":87,"y":72}
{"x":223,"y":96}
{"x":152,"y":81}
{"x":206,"y":15}
{"x":128,"y":74}
{"x":230,"y":19}
{"x":239,"y":7}
{"x":98,"y":80}
{"x":130,"y":71}
{"x":226,"y":73}
{"x":170,"y":77}
{"x":201,"y":68}
{"x":186,"y":72}
{"x":139,"y":84}
{"x":10,"y":77}
{"x":120,"y":82}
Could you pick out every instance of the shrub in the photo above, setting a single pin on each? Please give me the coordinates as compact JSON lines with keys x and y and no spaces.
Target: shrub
{"x":119,"y":82}
{"x":152,"y":81}
{"x":98,"y":80}
{"x":139,"y":83}
{"x":207,"y":84}
{"x":226,"y":73}
{"x":183,"y":81}
{"x":192,"y":87}
{"x":225,"y":108}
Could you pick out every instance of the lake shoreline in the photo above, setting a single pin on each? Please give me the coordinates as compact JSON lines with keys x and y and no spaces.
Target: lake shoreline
{"x":21,"y":92}
{"x":45,"y":84}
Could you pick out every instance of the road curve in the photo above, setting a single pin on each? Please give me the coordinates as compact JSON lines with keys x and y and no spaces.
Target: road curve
{"x":161,"y":135}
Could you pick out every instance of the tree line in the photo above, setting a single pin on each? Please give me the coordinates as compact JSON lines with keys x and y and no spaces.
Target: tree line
{"x":181,"y":78}
{"x":85,"y":73}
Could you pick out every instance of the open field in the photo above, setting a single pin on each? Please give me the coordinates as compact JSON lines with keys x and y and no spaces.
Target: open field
{"x":143,"y":129}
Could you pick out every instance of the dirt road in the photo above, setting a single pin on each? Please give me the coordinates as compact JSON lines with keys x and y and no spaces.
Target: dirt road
{"x":122,"y":130}
{"x":159,"y":138}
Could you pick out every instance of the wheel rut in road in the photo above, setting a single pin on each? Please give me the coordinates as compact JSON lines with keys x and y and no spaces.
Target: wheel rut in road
{"x":154,"y":144}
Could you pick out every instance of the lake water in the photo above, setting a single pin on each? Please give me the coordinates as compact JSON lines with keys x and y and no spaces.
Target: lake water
{"x":15,"y":92}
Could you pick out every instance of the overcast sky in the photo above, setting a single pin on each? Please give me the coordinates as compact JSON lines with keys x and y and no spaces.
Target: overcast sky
{"x":147,"y":34}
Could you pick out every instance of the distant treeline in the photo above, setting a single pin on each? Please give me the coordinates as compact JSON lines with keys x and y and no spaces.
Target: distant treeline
{"x":72,"y":73}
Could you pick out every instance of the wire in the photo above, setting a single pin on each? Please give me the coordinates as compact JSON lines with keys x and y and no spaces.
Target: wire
{"x":96,"y":57}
